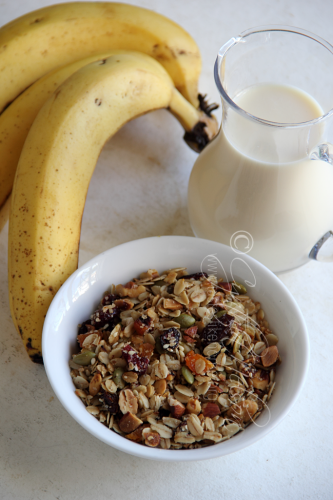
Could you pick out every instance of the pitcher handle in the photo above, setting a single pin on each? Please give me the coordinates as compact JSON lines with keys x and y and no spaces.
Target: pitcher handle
{"x":323,"y":249}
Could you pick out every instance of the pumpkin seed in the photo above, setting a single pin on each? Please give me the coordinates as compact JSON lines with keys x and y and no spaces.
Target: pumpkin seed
{"x":117,"y":377}
{"x":158,"y":346}
{"x":238,"y":288}
{"x":84,"y":358}
{"x":220,"y":313}
{"x":185,"y":320}
{"x":187,"y":374}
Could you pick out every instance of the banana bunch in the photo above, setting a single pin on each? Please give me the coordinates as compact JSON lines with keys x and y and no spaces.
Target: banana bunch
{"x":52,"y":133}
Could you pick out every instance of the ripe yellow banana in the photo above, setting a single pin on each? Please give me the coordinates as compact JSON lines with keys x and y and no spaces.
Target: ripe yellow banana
{"x":16,"y":120}
{"x":54,"y":171}
{"x":40,"y":41}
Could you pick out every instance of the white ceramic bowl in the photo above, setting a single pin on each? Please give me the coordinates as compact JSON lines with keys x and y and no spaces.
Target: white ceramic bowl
{"x":81,"y":293}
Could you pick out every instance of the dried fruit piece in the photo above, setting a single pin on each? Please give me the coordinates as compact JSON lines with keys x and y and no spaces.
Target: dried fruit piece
{"x":146,"y":350}
{"x":142,"y":325}
{"x":217,"y":330}
{"x":135,"y":362}
{"x":124,"y":304}
{"x":111,"y":402}
{"x":269,"y":355}
{"x":106,"y":316}
{"x":129,"y":422}
{"x":151,"y":438}
{"x":192,"y":331}
{"x":170,"y":339}
{"x":210,"y":410}
{"x":109,"y":298}
{"x":195,"y":276}
{"x":191,"y":359}
{"x":226,"y":287}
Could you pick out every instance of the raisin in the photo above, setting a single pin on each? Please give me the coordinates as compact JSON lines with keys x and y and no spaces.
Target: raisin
{"x":195,"y":276}
{"x":83,"y":328}
{"x":217,"y":330}
{"x":135,"y":362}
{"x":101,"y":318}
{"x":111,"y":402}
{"x":142,"y":325}
{"x":163,"y":412}
{"x":170,"y":339}
{"x":109,"y":299}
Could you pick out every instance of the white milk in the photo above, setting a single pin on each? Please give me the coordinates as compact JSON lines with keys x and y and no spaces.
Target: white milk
{"x":286,"y":207}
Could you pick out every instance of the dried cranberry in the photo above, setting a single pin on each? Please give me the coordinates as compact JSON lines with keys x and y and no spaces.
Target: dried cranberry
{"x":109,"y":299}
{"x":217,"y":330}
{"x":195,"y":276}
{"x":83,"y":328}
{"x":227,"y":287}
{"x":111,"y":401}
{"x":142,"y":325}
{"x":101,"y":318}
{"x":170,"y":339}
{"x":163,"y":412}
{"x":135,"y":362}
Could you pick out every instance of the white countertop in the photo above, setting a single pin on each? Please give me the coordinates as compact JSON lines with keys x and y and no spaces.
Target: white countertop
{"x":139,"y":190}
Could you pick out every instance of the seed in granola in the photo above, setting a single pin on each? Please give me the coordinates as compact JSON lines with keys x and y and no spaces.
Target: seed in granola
{"x":84,"y":358}
{"x":111,"y":402}
{"x":217,"y":330}
{"x":170,"y":339}
{"x":142,"y":325}
{"x":238,"y":288}
{"x":185,"y":320}
{"x":272,"y":339}
{"x":135,"y":362}
{"x":117,"y":377}
{"x":187,"y":374}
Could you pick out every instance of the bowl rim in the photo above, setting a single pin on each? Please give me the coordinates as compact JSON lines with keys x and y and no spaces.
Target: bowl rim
{"x":137,"y":449}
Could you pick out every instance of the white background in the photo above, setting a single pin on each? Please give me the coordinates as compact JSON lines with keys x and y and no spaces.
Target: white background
{"x":138,"y":190}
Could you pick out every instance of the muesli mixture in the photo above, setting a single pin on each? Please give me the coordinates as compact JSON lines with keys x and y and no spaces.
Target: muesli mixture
{"x":176,"y":360}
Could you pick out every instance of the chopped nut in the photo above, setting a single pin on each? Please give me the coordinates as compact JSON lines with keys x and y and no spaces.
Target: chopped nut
{"x":132,"y":290}
{"x":210,"y":410}
{"x":129,"y":422}
{"x":136,"y":435}
{"x":160,"y":386}
{"x":177,"y":409}
{"x":193,"y":406}
{"x":269,"y":355}
{"x":95,"y":384}
{"x":260,"y":380}
{"x":242,"y":411}
{"x":152,"y":438}
{"x":128,"y":402}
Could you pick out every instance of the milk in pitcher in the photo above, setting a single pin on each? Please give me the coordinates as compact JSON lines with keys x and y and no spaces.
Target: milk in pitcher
{"x":242,"y":182}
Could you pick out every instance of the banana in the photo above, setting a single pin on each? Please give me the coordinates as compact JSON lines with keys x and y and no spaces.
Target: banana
{"x":16,"y":120}
{"x":40,"y":41}
{"x":54,"y":171}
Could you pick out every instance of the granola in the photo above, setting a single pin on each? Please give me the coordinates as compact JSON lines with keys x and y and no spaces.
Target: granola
{"x":176,"y":361}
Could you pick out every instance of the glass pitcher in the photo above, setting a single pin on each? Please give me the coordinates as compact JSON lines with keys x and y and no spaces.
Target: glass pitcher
{"x":265,"y":184}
